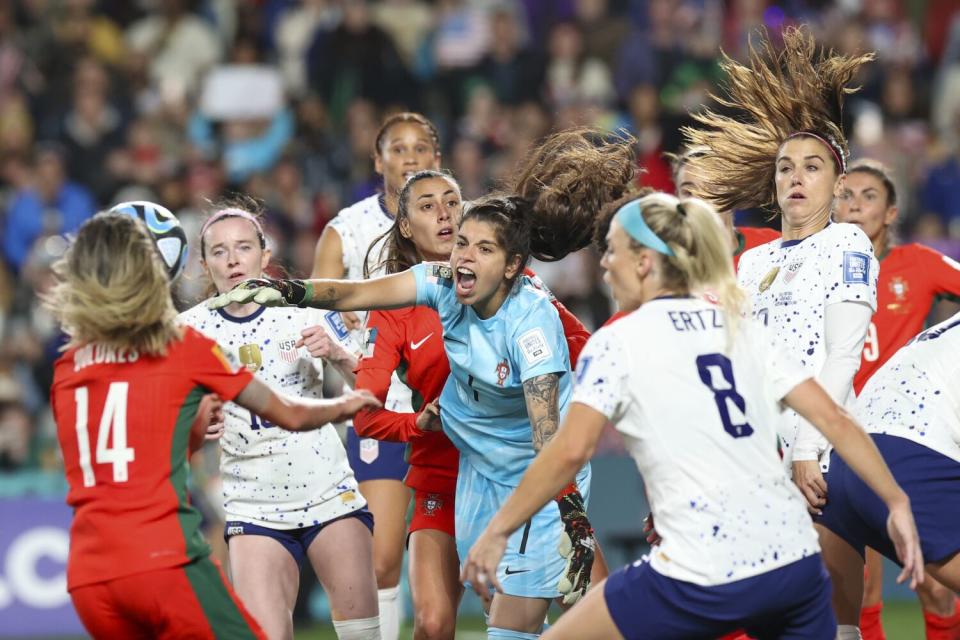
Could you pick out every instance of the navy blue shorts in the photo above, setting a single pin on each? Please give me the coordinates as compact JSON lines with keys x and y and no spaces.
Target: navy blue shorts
{"x":931,"y":480}
{"x":295,"y":541}
{"x":376,"y":459}
{"x":790,"y":602}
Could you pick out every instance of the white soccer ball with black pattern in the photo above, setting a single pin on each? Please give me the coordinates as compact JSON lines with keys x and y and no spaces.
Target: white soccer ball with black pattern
{"x":168,"y":235}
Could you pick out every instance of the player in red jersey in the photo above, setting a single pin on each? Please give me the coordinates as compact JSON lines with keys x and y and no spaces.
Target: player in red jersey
{"x":410,"y":342}
{"x":912,"y":277}
{"x":125,"y":397}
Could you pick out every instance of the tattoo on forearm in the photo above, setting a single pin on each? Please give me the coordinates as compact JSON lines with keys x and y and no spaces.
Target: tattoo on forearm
{"x":324,"y":297}
{"x":543,"y":406}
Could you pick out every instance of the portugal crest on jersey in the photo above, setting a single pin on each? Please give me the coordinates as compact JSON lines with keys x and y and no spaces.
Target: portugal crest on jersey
{"x":899,"y":288}
{"x":503,"y":370}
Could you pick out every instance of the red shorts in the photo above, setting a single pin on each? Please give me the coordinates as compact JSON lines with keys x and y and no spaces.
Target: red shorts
{"x":432,"y":511}
{"x":189,"y":601}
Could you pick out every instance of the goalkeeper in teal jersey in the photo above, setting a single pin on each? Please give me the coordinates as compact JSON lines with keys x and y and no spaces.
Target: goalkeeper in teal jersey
{"x":510,"y":381}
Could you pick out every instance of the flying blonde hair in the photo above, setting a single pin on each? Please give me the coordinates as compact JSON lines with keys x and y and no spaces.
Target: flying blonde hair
{"x":798,"y":90}
{"x":112,"y":288}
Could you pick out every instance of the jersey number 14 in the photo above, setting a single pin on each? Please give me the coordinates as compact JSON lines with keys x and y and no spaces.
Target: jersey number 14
{"x":113,"y":421}
{"x":724,"y":395}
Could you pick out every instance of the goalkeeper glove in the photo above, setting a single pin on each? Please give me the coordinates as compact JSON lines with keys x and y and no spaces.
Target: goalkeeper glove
{"x":265,"y":291}
{"x":577,"y":545}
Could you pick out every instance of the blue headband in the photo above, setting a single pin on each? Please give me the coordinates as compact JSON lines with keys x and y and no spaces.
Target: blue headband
{"x":631,"y":219}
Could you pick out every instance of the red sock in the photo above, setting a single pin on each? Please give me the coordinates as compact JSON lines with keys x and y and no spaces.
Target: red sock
{"x":942,"y":628}
{"x":871,"y":627}
{"x":736,"y":635}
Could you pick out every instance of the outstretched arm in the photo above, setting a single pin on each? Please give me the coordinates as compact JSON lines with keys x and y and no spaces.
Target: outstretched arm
{"x":301,"y":414}
{"x":387,"y":292}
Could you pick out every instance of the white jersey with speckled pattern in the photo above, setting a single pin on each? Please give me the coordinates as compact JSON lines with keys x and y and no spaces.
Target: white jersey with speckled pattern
{"x":791,"y":283}
{"x":916,"y":394}
{"x":359,"y":225}
{"x":272,"y":477}
{"x":700,"y":421}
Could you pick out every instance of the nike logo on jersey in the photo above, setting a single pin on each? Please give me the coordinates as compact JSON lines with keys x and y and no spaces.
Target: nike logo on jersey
{"x":416,"y":345}
{"x":510,"y":572}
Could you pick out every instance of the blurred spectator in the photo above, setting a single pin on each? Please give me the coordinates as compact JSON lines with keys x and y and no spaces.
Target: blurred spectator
{"x":296,"y":29}
{"x":359,"y":60}
{"x":603,"y":34}
{"x":175,"y":46}
{"x":408,"y":22}
{"x":50,"y":204}
{"x":514,"y":71}
{"x":91,"y":130}
{"x":645,"y":124}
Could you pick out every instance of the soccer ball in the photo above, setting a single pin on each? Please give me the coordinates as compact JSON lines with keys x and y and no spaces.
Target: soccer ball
{"x":169,"y":236}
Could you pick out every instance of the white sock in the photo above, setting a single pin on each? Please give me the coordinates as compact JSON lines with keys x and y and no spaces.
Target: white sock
{"x":359,"y":629}
{"x":391,"y":611}
{"x":848,"y":632}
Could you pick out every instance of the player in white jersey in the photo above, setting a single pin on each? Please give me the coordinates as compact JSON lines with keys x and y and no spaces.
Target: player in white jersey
{"x":405,"y":144}
{"x":509,"y":362}
{"x":696,"y":399}
{"x":817,"y":286}
{"x":288,"y":497}
{"x":911,"y":408}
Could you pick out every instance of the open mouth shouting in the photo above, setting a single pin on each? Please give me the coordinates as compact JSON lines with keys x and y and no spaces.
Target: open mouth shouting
{"x":466,"y":281}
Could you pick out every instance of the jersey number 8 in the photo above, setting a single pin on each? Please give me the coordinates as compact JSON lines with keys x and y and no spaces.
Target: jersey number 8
{"x":723,"y":397}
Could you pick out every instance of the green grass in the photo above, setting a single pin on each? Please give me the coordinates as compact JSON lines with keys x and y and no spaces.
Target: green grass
{"x":902,"y":620}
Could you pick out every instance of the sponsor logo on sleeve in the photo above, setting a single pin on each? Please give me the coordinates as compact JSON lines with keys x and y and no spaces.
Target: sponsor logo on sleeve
{"x":856,"y":267}
{"x":533,"y":345}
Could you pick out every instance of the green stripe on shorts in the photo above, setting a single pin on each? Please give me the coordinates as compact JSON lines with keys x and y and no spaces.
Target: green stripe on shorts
{"x":218,"y":606}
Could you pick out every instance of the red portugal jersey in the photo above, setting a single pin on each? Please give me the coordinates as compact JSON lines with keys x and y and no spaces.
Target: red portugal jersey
{"x":410,"y":342}
{"x":912,"y":277}
{"x":123,"y":421}
{"x":748,"y":237}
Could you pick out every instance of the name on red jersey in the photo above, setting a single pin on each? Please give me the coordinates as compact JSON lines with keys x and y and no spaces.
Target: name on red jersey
{"x":91,"y":354}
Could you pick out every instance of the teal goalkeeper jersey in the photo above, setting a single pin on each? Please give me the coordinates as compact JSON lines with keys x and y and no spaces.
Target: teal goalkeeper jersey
{"x":482,"y":406}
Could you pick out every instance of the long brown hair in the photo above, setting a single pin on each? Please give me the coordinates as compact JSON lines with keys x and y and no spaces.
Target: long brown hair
{"x":549,"y":208}
{"x":799,"y":90}
{"x":112,"y":288}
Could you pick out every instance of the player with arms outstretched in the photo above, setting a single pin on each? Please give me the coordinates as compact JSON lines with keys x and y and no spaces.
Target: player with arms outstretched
{"x":125,"y":397}
{"x":410,"y":341}
{"x":509,"y":360}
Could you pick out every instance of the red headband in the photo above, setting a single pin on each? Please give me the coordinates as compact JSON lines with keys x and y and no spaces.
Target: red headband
{"x":835,"y":149}
{"x":232,"y":213}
